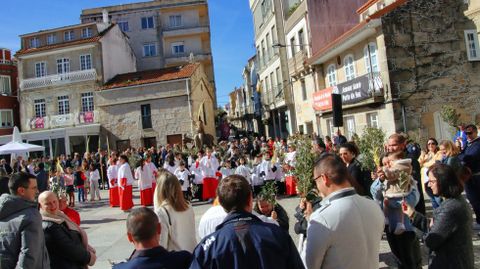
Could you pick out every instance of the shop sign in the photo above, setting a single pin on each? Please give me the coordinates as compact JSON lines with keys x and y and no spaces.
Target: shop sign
{"x":322,"y":100}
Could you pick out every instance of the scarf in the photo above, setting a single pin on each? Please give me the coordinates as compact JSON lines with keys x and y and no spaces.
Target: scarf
{"x":60,"y":218}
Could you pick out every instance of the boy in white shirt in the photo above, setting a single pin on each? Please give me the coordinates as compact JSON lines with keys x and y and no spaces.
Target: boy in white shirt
{"x":183,"y":176}
{"x":243,"y":170}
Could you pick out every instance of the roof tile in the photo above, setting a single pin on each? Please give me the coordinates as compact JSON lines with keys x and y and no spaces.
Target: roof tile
{"x":151,"y":76}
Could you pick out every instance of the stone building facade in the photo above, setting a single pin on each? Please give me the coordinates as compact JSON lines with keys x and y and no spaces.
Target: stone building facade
{"x":59,"y":71}
{"x":431,"y":65}
{"x":9,"y":116}
{"x":156,"y":107}
{"x":162,"y":33}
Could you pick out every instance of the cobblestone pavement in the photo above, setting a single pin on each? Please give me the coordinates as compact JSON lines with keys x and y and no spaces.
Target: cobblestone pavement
{"x":106,"y":231}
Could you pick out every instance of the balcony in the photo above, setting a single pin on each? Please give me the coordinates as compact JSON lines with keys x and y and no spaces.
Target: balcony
{"x":58,"y":79}
{"x":297,"y":63}
{"x":60,"y":121}
{"x":184,"y":30}
{"x":173,"y":59}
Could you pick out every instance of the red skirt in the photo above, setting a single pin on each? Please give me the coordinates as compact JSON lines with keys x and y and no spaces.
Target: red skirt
{"x":146,"y":197}
{"x":209,"y":188}
{"x":291,"y":183}
{"x":153,"y":191}
{"x":125,"y":195}
{"x":114,"y":200}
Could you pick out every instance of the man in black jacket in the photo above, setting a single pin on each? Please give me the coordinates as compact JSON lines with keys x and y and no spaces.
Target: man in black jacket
{"x":143,"y":230}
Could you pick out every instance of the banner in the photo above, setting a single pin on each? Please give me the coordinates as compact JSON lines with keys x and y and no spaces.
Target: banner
{"x":322,"y":100}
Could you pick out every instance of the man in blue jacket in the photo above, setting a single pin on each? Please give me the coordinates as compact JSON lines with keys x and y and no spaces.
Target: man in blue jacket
{"x":143,"y":230}
{"x":470,"y":157}
{"x":243,"y":240}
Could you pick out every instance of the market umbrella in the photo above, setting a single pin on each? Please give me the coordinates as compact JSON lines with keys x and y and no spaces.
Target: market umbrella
{"x":16,"y":146}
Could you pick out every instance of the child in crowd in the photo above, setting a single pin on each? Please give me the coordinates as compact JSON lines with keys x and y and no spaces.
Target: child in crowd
{"x":57,"y":181}
{"x":79,"y":179}
{"x":226,"y":169}
{"x":398,"y":184}
{"x":183,"y":176}
{"x":243,"y":170}
{"x":256,"y":179}
{"x":69,"y":188}
{"x":94,"y":177}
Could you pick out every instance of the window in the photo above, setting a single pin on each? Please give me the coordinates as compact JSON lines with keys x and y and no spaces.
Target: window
{"x":372,"y":120}
{"x":63,"y":105}
{"x":204,"y":114}
{"x":266,"y":7}
{"x":473,"y":48}
{"x":40,"y":108}
{"x":87,"y":32}
{"x":350,"y":127}
{"x":332,"y":75}
{"x":63,"y":65}
{"x":146,"y":116}
{"x":149,"y":50}
{"x":85,"y":62}
{"x":178,"y":48}
{"x":269,"y":47}
{"x":51,"y":39}
{"x":264,"y":54}
{"x":40,"y":69}
{"x":292,"y":46}
{"x":123,"y":26}
{"x":87,"y":102}
{"x":348,"y":64}
{"x":370,"y":56}
{"x":304,"y":90}
{"x":6,"y":118}
{"x":330,"y":128}
{"x":147,"y":23}
{"x":272,"y":84}
{"x":5,"y":86}
{"x":274,"y":39}
{"x":69,"y":35}
{"x":279,"y":78}
{"x":301,"y":39}
{"x":300,"y":129}
{"x":34,"y":42}
{"x":175,"y":20}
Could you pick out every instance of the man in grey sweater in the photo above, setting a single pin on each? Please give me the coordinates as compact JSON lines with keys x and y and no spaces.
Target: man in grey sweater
{"x":22,"y":242}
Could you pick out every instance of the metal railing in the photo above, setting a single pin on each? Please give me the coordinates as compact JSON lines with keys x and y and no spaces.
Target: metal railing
{"x":58,"y":79}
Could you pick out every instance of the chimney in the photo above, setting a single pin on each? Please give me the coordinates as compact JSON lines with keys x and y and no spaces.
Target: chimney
{"x":105,"y":16}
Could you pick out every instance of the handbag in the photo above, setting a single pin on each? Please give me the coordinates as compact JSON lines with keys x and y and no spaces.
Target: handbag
{"x":172,"y":243}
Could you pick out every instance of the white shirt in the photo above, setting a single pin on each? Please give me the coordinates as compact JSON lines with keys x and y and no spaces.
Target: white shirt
{"x":266,"y":166}
{"x":209,"y":166}
{"x":226,"y":172}
{"x":112,"y":173}
{"x":331,"y":240}
{"x":144,"y":177}
{"x":93,"y":175}
{"x":255,"y":178}
{"x":215,"y":215}
{"x":183,"y":175}
{"x":169,"y":168}
{"x":194,"y":170}
{"x":291,"y":158}
{"x":153,"y":170}
{"x":244,"y":171}
{"x":125,"y":172}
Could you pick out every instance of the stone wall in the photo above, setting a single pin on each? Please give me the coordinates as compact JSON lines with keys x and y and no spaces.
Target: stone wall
{"x":428,"y":64}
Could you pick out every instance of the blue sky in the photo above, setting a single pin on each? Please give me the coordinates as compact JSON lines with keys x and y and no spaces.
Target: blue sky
{"x":230,"y":21}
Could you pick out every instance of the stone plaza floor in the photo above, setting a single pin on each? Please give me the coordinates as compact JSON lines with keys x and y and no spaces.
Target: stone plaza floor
{"x":106,"y":231}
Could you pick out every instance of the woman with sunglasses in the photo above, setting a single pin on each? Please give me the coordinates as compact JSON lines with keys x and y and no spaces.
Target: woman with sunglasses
{"x":427,"y":159}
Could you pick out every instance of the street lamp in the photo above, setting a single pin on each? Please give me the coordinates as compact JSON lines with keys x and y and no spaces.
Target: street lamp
{"x":279,"y":45}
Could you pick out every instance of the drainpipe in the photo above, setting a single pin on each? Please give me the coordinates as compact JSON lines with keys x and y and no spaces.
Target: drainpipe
{"x":187,"y":82}
{"x":404,"y":119}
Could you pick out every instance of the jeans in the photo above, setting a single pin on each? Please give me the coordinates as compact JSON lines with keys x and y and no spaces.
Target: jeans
{"x":406,"y":248}
{"x":472,"y":188}
{"x":81,"y":194}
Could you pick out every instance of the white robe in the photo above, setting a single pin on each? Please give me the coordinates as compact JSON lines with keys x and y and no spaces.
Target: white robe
{"x":183,"y":175}
{"x":125,"y":172}
{"x":112,"y":173}
{"x":244,"y":171}
{"x":144,"y":177}
{"x":209,"y":166}
{"x":266,"y":167}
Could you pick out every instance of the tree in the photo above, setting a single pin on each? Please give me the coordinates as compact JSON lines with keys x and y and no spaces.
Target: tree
{"x":371,"y":146}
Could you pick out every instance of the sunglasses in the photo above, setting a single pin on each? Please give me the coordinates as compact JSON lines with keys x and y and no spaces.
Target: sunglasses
{"x":468,"y":133}
{"x":431,"y":143}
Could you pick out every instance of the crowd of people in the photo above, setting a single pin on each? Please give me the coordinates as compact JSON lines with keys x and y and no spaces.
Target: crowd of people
{"x":345,"y":214}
